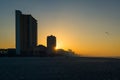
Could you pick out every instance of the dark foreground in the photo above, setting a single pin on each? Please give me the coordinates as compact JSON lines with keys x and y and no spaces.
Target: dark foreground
{"x":58,"y":68}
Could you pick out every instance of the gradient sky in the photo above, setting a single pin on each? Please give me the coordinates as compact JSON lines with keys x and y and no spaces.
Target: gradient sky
{"x":88,"y":27}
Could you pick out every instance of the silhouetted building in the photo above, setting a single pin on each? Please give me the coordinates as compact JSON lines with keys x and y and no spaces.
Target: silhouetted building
{"x":51,"y":44}
{"x":3,"y":52}
{"x":11,"y":52}
{"x":40,"y":50}
{"x":26,"y":33}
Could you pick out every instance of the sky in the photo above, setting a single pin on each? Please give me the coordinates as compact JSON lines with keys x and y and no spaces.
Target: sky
{"x":88,"y":27}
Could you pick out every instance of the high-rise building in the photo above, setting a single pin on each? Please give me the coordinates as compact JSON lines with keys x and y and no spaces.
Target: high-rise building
{"x":26,"y":33}
{"x":51,"y":44}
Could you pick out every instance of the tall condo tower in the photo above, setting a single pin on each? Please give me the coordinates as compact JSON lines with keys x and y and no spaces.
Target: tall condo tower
{"x":51,"y":44}
{"x":26,"y":33}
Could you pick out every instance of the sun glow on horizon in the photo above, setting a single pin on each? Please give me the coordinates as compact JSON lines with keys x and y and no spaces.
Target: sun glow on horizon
{"x":58,"y":46}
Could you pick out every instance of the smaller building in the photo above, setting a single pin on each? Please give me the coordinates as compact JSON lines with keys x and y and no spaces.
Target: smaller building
{"x":51,"y":44}
{"x":11,"y":52}
{"x":40,"y":50}
{"x":3,"y":52}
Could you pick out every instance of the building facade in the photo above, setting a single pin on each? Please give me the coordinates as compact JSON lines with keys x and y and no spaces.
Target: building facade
{"x":51,"y":44}
{"x":26,"y":33}
{"x":40,"y":50}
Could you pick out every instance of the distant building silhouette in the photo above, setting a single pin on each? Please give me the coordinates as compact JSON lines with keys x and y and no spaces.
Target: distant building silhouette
{"x":11,"y":52}
{"x":40,"y":50}
{"x":3,"y":52}
{"x":51,"y":44}
{"x":26,"y":33}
